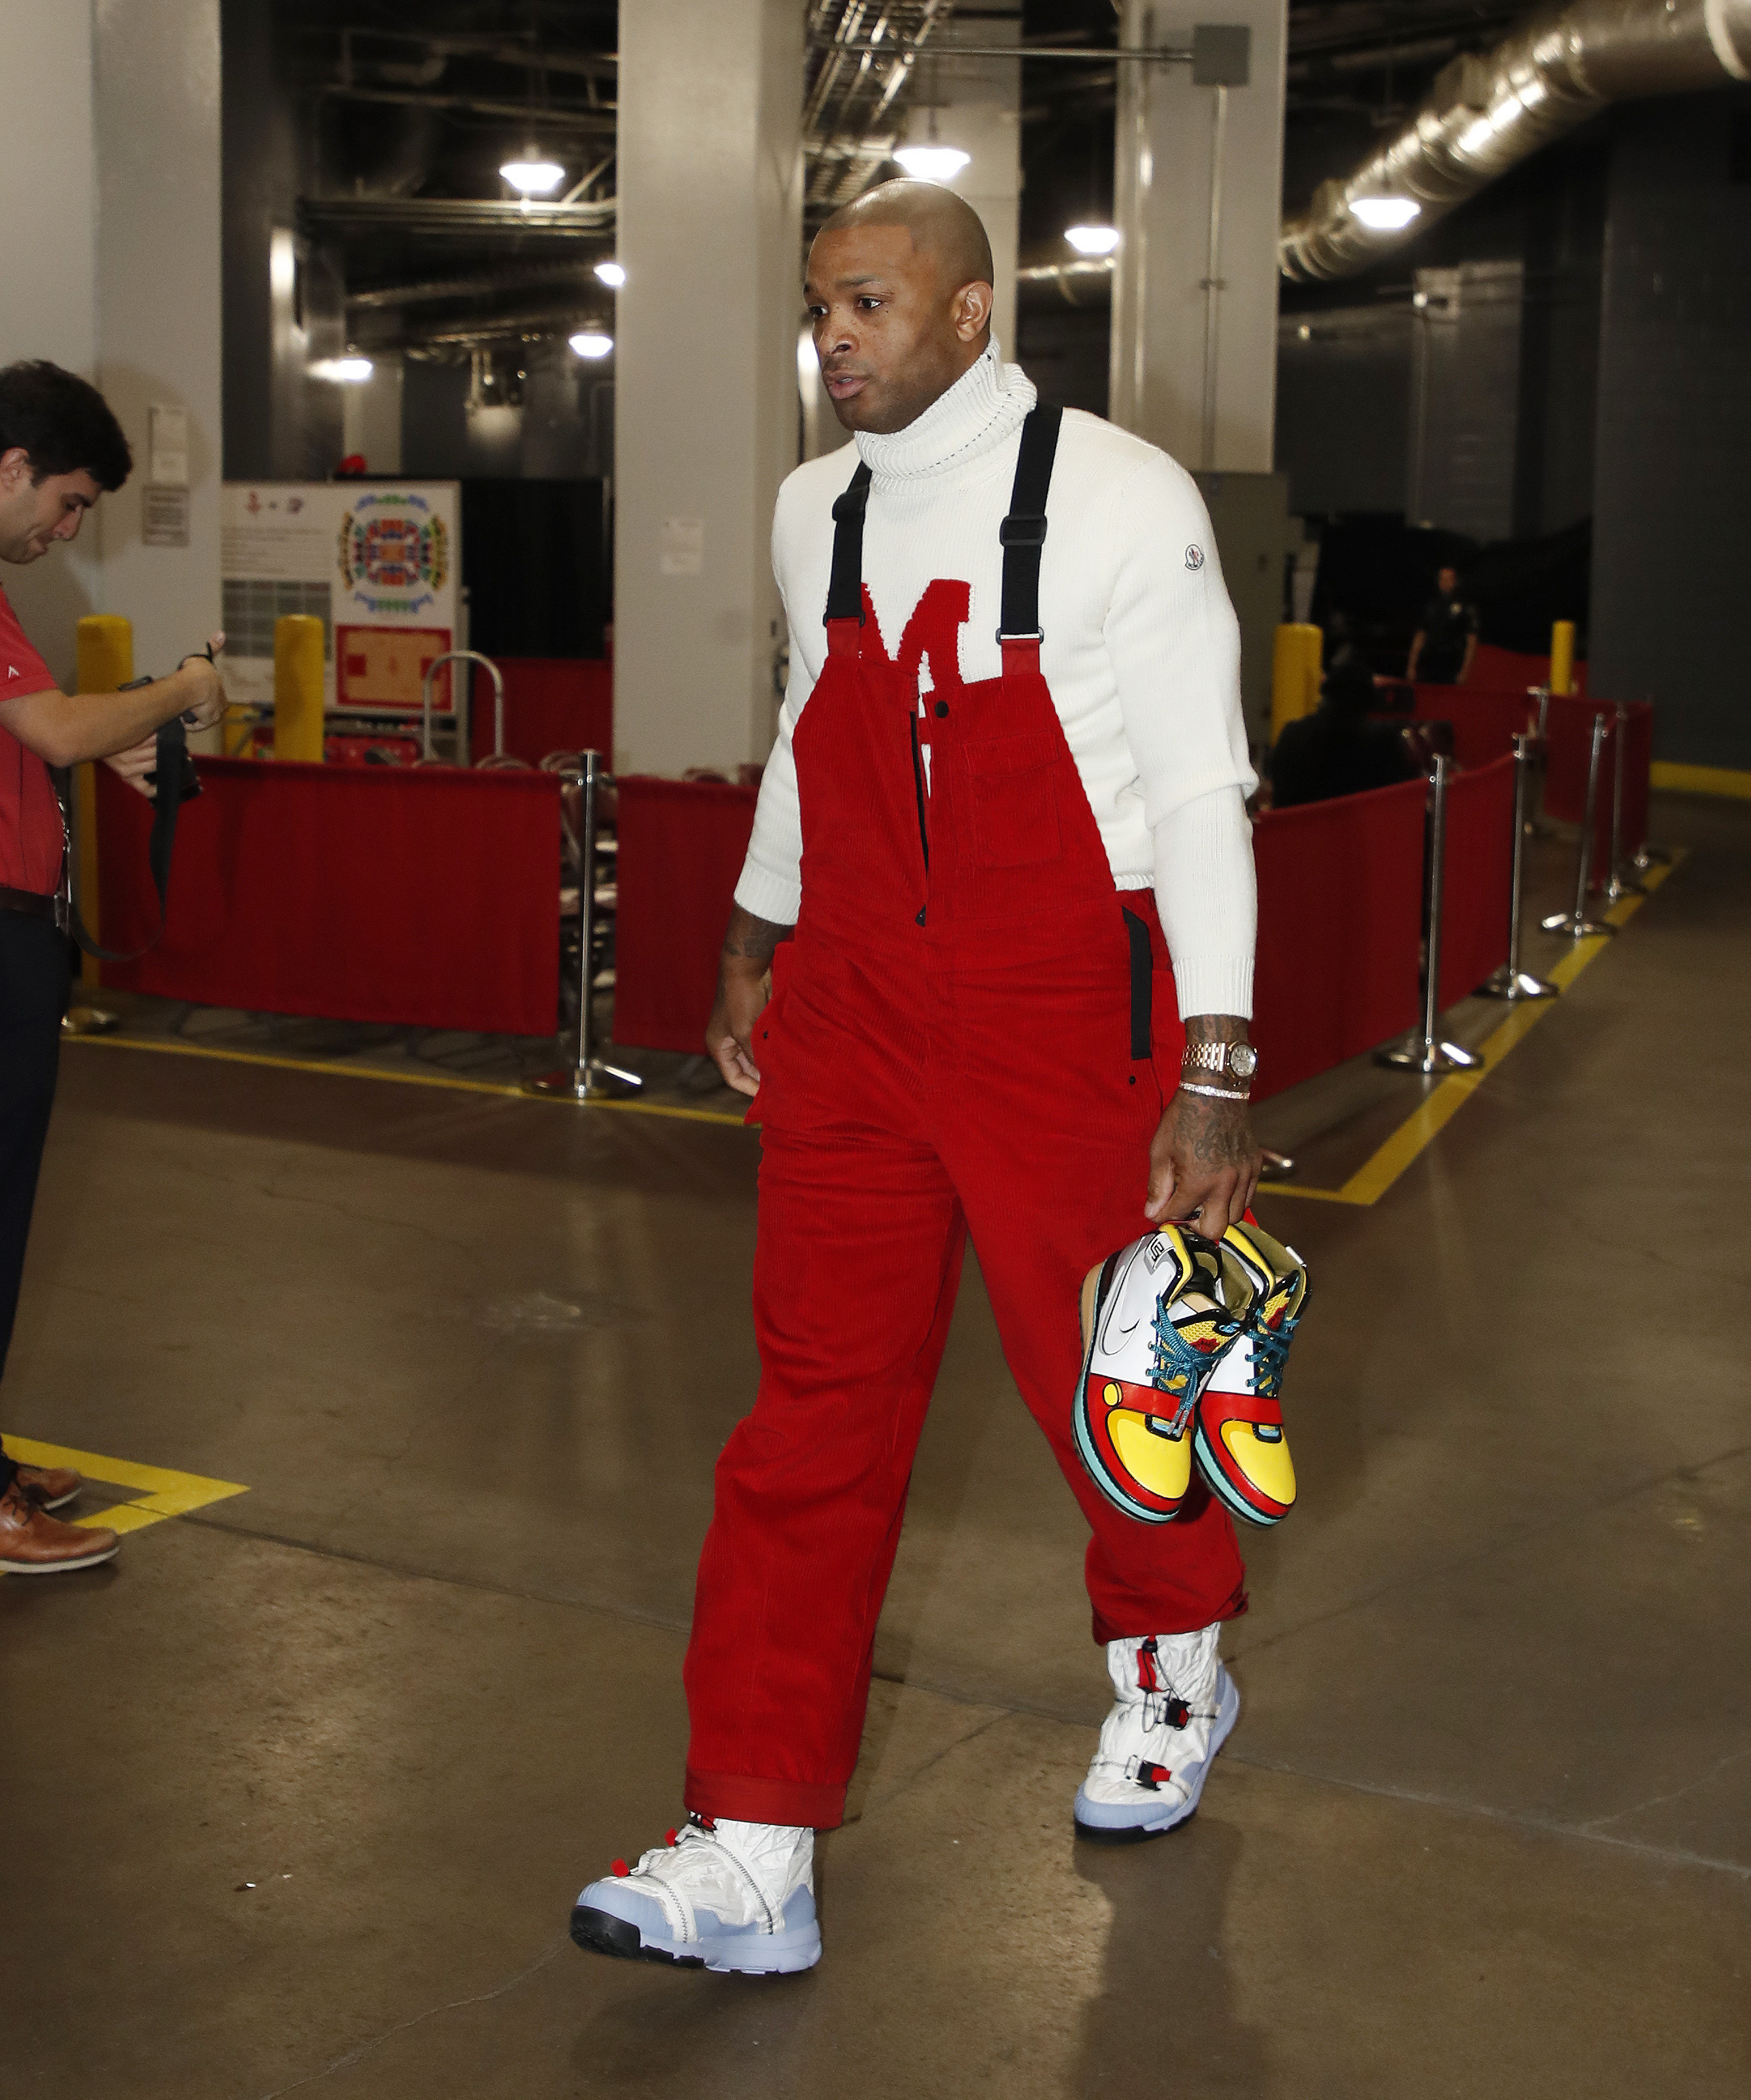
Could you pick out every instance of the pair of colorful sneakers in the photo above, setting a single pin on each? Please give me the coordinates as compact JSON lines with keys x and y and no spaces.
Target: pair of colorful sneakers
{"x":1183,"y":1340}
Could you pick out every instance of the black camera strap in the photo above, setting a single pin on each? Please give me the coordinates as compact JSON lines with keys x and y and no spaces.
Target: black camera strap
{"x":176,"y":782}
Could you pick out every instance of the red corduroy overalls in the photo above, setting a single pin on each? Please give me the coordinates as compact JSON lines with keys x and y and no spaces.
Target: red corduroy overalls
{"x":959,"y":1037}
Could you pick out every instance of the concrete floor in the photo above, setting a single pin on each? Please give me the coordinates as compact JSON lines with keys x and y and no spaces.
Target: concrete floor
{"x":301,"y":1788}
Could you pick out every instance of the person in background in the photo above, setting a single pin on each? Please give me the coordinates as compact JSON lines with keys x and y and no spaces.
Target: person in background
{"x":1337,"y":750}
{"x":60,"y":448}
{"x":1445,"y":641}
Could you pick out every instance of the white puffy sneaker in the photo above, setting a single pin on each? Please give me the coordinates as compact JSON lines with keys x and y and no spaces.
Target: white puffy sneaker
{"x":1176,"y":1706}
{"x":736,"y":1897}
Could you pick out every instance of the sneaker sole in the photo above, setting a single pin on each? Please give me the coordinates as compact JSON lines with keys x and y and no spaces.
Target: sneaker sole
{"x":1140,"y":1834}
{"x":788,"y":1953}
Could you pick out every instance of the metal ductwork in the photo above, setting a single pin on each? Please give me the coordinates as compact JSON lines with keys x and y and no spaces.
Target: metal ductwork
{"x":1487,"y":113}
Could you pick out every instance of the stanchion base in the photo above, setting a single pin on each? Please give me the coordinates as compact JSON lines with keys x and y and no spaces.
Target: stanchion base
{"x":1577,"y":929}
{"x":1275,"y":1166}
{"x":594,"y":1082}
{"x":1619,"y":887}
{"x":1414,"y":1054}
{"x":1515,"y":986}
{"x":89,"y":1021}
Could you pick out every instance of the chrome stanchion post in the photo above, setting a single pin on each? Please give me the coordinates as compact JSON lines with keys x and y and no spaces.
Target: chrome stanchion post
{"x":1576,"y":924}
{"x":1510,"y":981}
{"x":1423,"y":1052}
{"x":1539,"y":826}
{"x":587,"y":1077}
{"x":1617,"y":883}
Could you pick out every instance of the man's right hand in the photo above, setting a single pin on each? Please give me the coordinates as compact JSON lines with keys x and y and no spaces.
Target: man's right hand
{"x":208,"y":707}
{"x":742,"y":976}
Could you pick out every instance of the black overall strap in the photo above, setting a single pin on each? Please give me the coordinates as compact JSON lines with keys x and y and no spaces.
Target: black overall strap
{"x":844,"y":593}
{"x":1023,"y":531}
{"x":174,"y":782}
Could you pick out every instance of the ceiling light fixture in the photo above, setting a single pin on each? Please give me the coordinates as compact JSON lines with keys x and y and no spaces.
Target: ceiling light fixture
{"x":1385,"y":215}
{"x":533,"y":177}
{"x":589,"y":343}
{"x":611,"y":275}
{"x":345,"y":371}
{"x":1092,"y":240}
{"x":931,"y":164}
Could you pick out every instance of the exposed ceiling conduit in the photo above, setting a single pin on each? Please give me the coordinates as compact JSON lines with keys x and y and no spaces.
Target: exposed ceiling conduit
{"x":1487,"y":113}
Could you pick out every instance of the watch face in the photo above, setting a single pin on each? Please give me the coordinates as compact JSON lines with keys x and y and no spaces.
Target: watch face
{"x":1243,"y":1061}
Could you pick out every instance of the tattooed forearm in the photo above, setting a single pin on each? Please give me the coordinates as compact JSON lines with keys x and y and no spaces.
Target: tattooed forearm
{"x":753,"y":940}
{"x":1215,"y":1028}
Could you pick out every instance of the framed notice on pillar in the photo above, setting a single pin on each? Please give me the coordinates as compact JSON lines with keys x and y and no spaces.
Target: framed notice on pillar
{"x":377,"y":563}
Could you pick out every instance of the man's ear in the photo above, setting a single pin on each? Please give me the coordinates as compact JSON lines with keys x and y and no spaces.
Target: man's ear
{"x":14,"y":466}
{"x":973,"y":310}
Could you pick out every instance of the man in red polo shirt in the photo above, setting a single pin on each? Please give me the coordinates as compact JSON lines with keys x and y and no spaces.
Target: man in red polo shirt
{"x":60,"y":448}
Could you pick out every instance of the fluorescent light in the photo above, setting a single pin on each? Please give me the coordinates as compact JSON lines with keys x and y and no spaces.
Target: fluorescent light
{"x":1092,"y":240}
{"x":611,"y":275}
{"x":533,"y":178}
{"x":588,"y":343}
{"x":1385,"y":215}
{"x":346,"y":371}
{"x":931,"y":164}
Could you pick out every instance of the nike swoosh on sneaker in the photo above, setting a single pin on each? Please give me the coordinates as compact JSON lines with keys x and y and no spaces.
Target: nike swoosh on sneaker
{"x":1110,"y":1331}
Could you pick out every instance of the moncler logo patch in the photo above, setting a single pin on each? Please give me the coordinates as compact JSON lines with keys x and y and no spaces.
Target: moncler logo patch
{"x":1194,"y":557}
{"x":12,"y":670}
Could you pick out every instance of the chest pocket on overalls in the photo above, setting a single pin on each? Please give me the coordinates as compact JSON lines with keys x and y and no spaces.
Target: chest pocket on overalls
{"x":1013,"y":793}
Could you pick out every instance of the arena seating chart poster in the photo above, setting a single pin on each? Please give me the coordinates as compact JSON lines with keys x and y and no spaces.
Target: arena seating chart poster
{"x":377,"y":563}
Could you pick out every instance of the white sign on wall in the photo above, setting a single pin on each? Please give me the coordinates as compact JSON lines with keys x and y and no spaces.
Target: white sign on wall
{"x":377,"y":563}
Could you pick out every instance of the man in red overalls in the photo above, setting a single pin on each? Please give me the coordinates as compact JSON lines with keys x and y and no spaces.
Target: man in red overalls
{"x":971,"y":1027}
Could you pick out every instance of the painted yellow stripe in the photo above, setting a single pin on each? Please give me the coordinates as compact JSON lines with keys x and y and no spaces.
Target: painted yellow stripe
{"x":1699,"y":779}
{"x":335,"y":1069}
{"x":1372,"y":1179}
{"x":162,"y":1492}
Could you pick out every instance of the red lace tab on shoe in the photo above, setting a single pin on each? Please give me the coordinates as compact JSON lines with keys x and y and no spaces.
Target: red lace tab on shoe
{"x":670,"y":1837}
{"x":620,"y":1868}
{"x":1147,"y":1679}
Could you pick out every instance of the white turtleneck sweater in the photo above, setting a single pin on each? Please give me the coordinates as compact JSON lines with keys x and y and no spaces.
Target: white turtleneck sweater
{"x":1141,"y":649}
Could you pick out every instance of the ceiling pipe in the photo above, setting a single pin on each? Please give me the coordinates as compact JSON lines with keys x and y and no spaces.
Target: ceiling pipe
{"x":1487,"y":113}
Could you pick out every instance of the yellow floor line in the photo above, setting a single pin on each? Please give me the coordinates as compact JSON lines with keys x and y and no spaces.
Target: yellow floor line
{"x":337,"y":1070}
{"x":163,"y":1493}
{"x":1372,"y":1179}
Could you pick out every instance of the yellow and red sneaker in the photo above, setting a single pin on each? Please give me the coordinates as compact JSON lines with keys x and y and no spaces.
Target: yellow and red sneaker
{"x":1153,"y":1329}
{"x":1239,"y":1443}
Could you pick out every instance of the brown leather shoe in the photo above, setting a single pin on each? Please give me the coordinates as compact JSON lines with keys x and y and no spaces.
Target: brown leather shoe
{"x":49,"y":1487}
{"x":32,"y":1542}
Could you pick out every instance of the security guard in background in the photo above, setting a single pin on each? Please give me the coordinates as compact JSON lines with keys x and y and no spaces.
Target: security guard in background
{"x":60,"y":448}
{"x":1445,"y":641}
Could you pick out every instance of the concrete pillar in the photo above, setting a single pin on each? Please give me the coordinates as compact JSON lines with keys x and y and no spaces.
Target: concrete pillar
{"x":109,"y":248}
{"x":48,"y":263}
{"x":705,"y":401}
{"x":157,"y":95}
{"x":1175,"y":134}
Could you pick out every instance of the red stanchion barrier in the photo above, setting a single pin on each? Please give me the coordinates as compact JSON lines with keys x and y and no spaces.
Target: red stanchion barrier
{"x":551,"y":703}
{"x":357,"y":893}
{"x":1504,"y":669}
{"x":681,"y":846}
{"x":1484,"y":724}
{"x":1480,"y":871}
{"x":1340,"y":912}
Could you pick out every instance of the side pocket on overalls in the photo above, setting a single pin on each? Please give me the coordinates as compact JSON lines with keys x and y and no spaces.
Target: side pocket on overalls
{"x":1142,"y":986}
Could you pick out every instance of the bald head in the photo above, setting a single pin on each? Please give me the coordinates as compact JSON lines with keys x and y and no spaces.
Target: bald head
{"x":944,"y":226}
{"x":899,"y":292}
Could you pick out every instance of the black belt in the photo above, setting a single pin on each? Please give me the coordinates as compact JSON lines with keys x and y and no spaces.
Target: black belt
{"x":29,"y":901}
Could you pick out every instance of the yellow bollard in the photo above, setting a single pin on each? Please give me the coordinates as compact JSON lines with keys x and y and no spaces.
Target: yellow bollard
{"x":1294,"y":674}
{"x":103,"y":660}
{"x":298,"y":687}
{"x":1562,"y":656}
